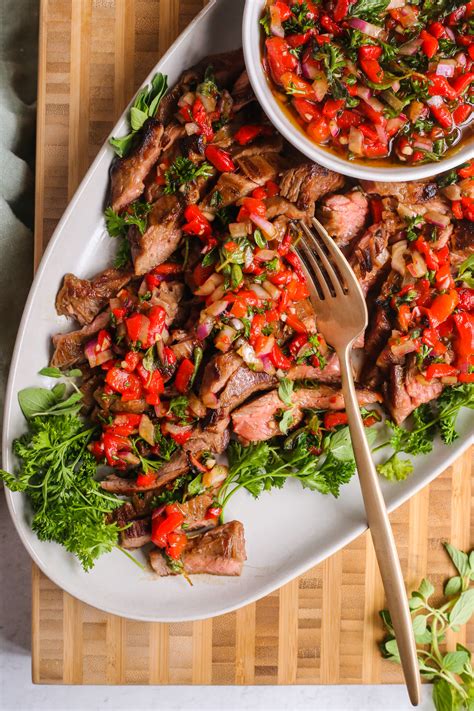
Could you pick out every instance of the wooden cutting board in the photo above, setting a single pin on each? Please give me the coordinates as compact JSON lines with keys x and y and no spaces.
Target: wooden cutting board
{"x":322,"y":628}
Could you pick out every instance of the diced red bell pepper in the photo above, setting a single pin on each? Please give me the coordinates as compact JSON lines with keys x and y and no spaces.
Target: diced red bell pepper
{"x":464,"y":344}
{"x":306,"y":109}
{"x":328,"y":24}
{"x":467,"y":171}
{"x":422,"y":246}
{"x":440,"y":370}
{"x":318,"y":130}
{"x":113,"y":445}
{"x":179,"y":433}
{"x":279,"y":58}
{"x":297,"y":343}
{"x":213,"y":512}
{"x":467,"y":204}
{"x":332,"y":107}
{"x":137,"y":328}
{"x":293,"y":259}
{"x":404,"y":316}
{"x":442,"y":307}
{"x":279,"y":359}
{"x":127,"y":384}
{"x":247,"y":133}
{"x":430,"y":44}
{"x":176,"y":545}
{"x":431,"y":339}
{"x":296,"y":290}
{"x":184,"y":375}
{"x":130,"y":362}
{"x":146,"y":479}
{"x":334,"y":419}
{"x":258,"y":322}
{"x":272,"y":188}
{"x":200,"y":116}
{"x":462,"y":82}
{"x":341,"y":9}
{"x":254,"y":206}
{"x":292,"y":83}
{"x":220,"y":159}
{"x":439,"y":86}
{"x":461,"y":113}
{"x":436,"y":29}
{"x":370,"y":51}
{"x":456,"y":208}
{"x":466,"y":298}
{"x":443,"y":278}
{"x":442,"y":114}
{"x":466,"y":377}
{"x":161,"y":528}
{"x":372,"y":70}
{"x":124,"y":424}
{"x":348,"y":119}
{"x":376,"y":210}
{"x":295,"y":323}
{"x":157,"y":317}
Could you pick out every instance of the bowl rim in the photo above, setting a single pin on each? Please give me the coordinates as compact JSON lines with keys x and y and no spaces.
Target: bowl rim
{"x":259,"y":83}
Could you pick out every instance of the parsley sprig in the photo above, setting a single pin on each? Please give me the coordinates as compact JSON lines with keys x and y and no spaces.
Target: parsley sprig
{"x":183,"y":172}
{"x":451,"y":671}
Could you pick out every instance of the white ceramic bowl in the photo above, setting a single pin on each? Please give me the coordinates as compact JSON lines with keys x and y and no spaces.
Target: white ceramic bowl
{"x":251,"y":39}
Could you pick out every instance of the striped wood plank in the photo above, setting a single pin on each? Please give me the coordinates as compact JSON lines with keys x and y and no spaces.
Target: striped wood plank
{"x":320,"y":628}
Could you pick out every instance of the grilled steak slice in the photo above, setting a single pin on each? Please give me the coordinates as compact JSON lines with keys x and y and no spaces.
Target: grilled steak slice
{"x":241,"y":385}
{"x":344,"y":216}
{"x":83,"y":299}
{"x":330,"y":373}
{"x":231,"y":188}
{"x":137,"y":534}
{"x":69,"y":347}
{"x":406,"y":389}
{"x":217,"y":552}
{"x":278,"y":205}
{"x":256,"y":421}
{"x":462,"y":241}
{"x":194,"y":512}
{"x":260,"y":168}
{"x":375,"y":340}
{"x":370,"y":256}
{"x":216,"y":374}
{"x":308,"y":182}
{"x":173,"y":132}
{"x":260,"y":146}
{"x":241,"y":92}
{"x":161,"y":236}
{"x":127,"y":175}
{"x":418,"y":195}
{"x":177,"y":466}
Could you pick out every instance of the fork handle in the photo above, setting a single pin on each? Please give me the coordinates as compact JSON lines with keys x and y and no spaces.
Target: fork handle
{"x":382,"y":535}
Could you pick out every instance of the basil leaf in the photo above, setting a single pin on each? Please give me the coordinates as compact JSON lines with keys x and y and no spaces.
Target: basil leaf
{"x":35,"y":400}
{"x":51,"y":372}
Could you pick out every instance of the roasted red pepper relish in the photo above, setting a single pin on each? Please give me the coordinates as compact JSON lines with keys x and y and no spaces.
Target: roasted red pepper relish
{"x":374,"y":80}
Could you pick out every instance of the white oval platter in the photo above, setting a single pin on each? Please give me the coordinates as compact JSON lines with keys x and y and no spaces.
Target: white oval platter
{"x":287,"y":531}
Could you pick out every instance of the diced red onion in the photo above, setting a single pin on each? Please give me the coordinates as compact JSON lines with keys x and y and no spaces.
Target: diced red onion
{"x":96,"y":358}
{"x":191,"y":128}
{"x":209,"y":285}
{"x":275,"y":22}
{"x":160,"y":410}
{"x":356,"y":140}
{"x":461,"y":59}
{"x":146,"y":430}
{"x":209,"y":102}
{"x":265,"y":255}
{"x":418,"y":268}
{"x":435,"y":101}
{"x":452,"y":192}
{"x":396,"y":85}
{"x":394,"y":4}
{"x":382,"y":134}
{"x":423,"y":143}
{"x":446,"y":68}
{"x":366,"y":28}
{"x":267,"y":347}
{"x":309,"y":69}
{"x":204,"y":329}
{"x":259,"y":291}
{"x":268,"y":366}
{"x":437,"y":218}
{"x":334,"y":128}
{"x":223,"y":340}
{"x":401,"y":349}
{"x":238,"y":229}
{"x":450,"y":34}
{"x":248,"y":354}
{"x":129,"y":458}
{"x":217,"y":294}
{"x":395,"y":124}
{"x":411,"y":47}
{"x":271,"y":289}
{"x":320,"y":87}
{"x":237,"y":324}
{"x":398,"y":262}
{"x":267,"y":228}
{"x":363,"y":92}
{"x":186,"y":99}
{"x":216,"y":308}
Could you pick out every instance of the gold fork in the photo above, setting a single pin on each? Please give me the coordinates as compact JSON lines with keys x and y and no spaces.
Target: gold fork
{"x":341,"y":314}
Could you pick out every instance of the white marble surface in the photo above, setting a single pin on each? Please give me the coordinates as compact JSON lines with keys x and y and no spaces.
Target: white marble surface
{"x":17,"y":693}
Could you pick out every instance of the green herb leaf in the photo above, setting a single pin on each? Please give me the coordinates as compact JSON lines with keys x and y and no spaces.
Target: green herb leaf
{"x":443,"y":696}
{"x":285,"y":391}
{"x":286,"y":421}
{"x":463,"y":609}
{"x":51,"y":372}
{"x":459,"y":558}
{"x":195,"y":486}
{"x":453,"y":586}
{"x":183,"y":172}
{"x":455,"y":661}
{"x":35,"y":400}
{"x":369,"y":10}
{"x":395,"y":468}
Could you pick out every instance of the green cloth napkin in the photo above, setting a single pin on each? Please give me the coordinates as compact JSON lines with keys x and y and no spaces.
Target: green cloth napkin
{"x":18,"y":78}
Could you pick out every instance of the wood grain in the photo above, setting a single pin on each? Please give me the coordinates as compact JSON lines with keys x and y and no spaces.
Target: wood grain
{"x":320,"y":628}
